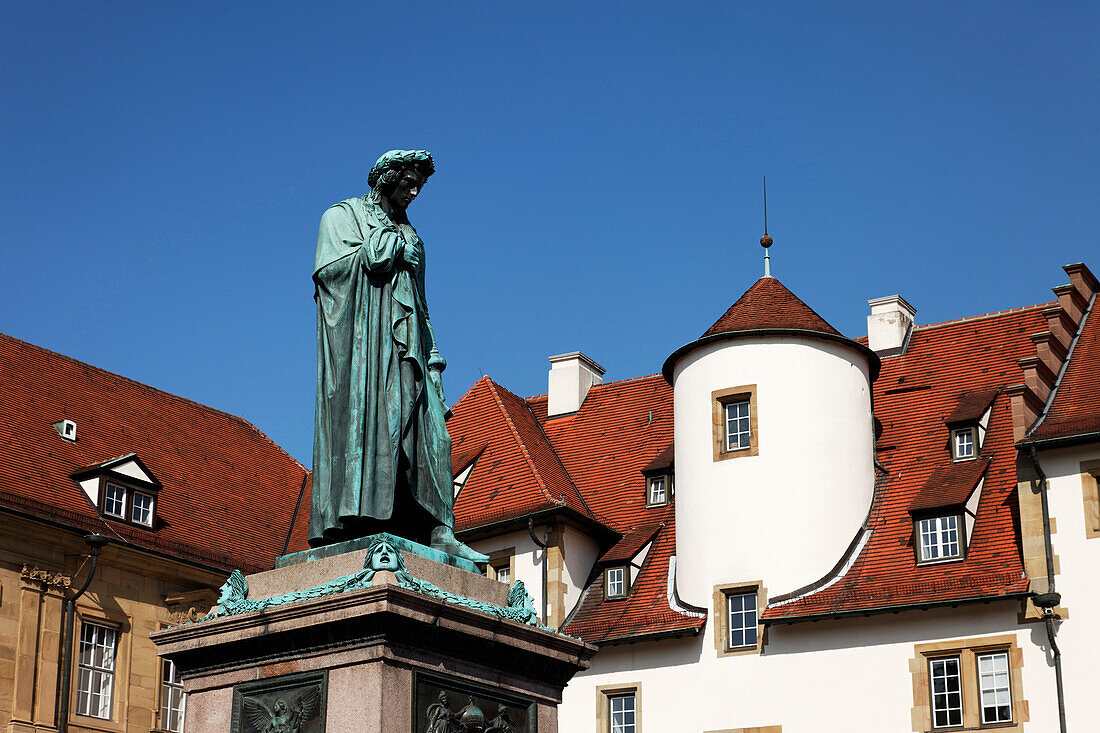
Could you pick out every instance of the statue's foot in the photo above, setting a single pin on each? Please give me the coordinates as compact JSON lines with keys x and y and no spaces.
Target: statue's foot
{"x":443,"y":538}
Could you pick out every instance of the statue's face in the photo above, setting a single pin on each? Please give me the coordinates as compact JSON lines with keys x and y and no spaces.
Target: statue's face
{"x":280,"y":707}
{"x":384,"y":557}
{"x":407,"y":189}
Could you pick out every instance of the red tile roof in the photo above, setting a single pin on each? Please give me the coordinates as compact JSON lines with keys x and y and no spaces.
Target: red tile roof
{"x":1075,"y":411}
{"x":769,"y":304}
{"x":632,"y":542}
{"x":950,"y":484}
{"x":942,"y":365}
{"x":217,"y":470}
{"x":649,"y":609}
{"x":971,"y":406}
{"x":517,"y":472}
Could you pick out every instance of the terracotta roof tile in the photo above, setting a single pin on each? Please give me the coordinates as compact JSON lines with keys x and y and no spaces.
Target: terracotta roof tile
{"x":950,"y":485}
{"x":1075,"y":410}
{"x":632,"y":542}
{"x":769,"y":304}
{"x":215,"y":468}
{"x":971,"y":406}
{"x":648,"y":609}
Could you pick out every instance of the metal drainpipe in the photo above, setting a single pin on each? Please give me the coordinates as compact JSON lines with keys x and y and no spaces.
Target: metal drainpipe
{"x":96,"y":542}
{"x":1049,"y":600}
{"x":545,"y":581}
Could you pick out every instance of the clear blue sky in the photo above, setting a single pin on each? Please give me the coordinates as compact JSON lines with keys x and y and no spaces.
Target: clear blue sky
{"x":598,"y":188}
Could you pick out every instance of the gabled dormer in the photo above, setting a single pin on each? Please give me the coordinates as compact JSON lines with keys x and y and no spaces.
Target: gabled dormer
{"x":968,"y":423}
{"x":621,"y":564}
{"x":122,"y":489}
{"x":658,"y":479}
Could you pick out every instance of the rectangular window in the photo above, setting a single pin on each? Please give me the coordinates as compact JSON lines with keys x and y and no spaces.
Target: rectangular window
{"x":622,"y":713}
{"x":996,"y":696}
{"x":172,"y":699}
{"x":742,"y":619}
{"x":738,"y":429}
{"x":946,"y":692}
{"x":503,"y":572}
{"x":96,"y":670}
{"x":143,"y":509}
{"x":658,"y":491}
{"x":963,"y":444}
{"x":939,"y":538}
{"x":615,"y":582}
{"x":114,"y":501}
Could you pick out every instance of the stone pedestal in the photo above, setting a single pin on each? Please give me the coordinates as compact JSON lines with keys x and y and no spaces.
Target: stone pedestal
{"x":378,"y":659}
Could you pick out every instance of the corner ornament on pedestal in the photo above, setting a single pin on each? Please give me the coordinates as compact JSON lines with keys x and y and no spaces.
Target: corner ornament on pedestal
{"x":381,"y":556}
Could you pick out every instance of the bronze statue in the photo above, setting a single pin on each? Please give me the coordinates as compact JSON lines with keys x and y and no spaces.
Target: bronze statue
{"x":381,"y":452}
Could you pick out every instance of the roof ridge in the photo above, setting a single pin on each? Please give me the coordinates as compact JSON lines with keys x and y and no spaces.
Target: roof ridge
{"x":994,"y":314}
{"x":131,"y":381}
{"x":493,"y":387}
{"x":484,"y":378}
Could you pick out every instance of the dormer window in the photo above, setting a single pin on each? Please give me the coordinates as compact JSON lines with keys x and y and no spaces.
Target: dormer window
{"x":141,"y":510}
{"x":121,"y":489}
{"x":964,"y":443}
{"x":616,"y":581}
{"x":658,"y":489}
{"x":114,"y":501}
{"x":939,"y":538}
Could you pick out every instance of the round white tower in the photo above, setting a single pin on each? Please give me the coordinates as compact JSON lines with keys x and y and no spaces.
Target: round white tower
{"x":774,"y":446}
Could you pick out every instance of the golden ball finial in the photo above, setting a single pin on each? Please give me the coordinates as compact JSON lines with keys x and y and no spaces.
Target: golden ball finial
{"x":765,"y":241}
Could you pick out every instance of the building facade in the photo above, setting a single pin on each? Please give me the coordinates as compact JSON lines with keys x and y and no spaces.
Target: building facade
{"x":792,"y":530}
{"x":183,"y":492}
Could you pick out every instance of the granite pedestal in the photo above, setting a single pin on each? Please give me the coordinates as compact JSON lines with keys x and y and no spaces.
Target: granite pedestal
{"x":378,"y":659}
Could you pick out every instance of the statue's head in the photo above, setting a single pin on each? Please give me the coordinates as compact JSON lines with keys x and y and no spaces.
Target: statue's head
{"x":235,"y":589}
{"x":382,"y":555}
{"x":399,"y":175}
{"x":281,"y":707}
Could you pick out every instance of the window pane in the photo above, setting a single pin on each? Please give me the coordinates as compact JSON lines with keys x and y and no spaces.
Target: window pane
{"x":996,"y":697}
{"x":964,"y":444}
{"x":737,"y":425}
{"x":742,"y":619}
{"x":615,"y":582}
{"x":143,"y":509}
{"x":656,"y":491}
{"x":622,"y":714}
{"x":939,"y":538}
{"x":172,"y":699}
{"x":946,"y":692}
{"x":95,"y":675}
{"x":114,"y":501}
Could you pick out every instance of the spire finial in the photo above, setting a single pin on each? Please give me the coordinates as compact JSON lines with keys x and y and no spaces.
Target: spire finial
{"x":766,"y":241}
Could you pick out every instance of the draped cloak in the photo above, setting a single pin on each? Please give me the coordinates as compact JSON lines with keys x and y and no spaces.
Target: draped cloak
{"x":379,"y":424}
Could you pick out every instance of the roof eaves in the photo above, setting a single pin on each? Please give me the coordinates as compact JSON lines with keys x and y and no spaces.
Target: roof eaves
{"x":867,"y":611}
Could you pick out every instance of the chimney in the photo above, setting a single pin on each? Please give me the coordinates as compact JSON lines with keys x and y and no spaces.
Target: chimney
{"x":888,"y":326}
{"x":571,"y":376}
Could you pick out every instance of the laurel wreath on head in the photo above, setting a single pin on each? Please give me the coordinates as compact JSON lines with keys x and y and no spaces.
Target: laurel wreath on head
{"x":396,"y":159}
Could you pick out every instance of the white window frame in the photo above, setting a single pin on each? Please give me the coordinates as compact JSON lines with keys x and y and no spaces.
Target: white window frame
{"x":622,"y":583}
{"x":121,"y":514}
{"x":748,"y":620}
{"x":502,"y":568}
{"x":996,"y":683}
{"x":664,"y":481}
{"x":933,"y":533}
{"x":134,"y":508}
{"x":942,"y":702}
{"x":744,"y":436}
{"x":957,"y":436}
{"x":95,"y":678}
{"x":173,"y":700}
{"x":627,"y":704}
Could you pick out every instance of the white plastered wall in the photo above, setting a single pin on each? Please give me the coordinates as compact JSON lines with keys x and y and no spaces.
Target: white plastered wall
{"x":580,"y":554}
{"x":787,"y":515}
{"x":1077,"y":559}
{"x":527,"y":558}
{"x":840,"y":675}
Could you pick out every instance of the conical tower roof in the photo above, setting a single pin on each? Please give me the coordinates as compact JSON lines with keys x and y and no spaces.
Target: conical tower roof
{"x":769,"y":304}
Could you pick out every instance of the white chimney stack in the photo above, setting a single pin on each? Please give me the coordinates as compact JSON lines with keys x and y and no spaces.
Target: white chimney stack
{"x":888,"y":326}
{"x":571,"y":376}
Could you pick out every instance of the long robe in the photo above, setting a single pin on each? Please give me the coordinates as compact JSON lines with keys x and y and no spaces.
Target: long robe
{"x":380,"y":437}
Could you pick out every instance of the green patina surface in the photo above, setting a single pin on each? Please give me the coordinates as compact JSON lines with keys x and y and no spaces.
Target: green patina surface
{"x":383,"y":553}
{"x":362,"y":543}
